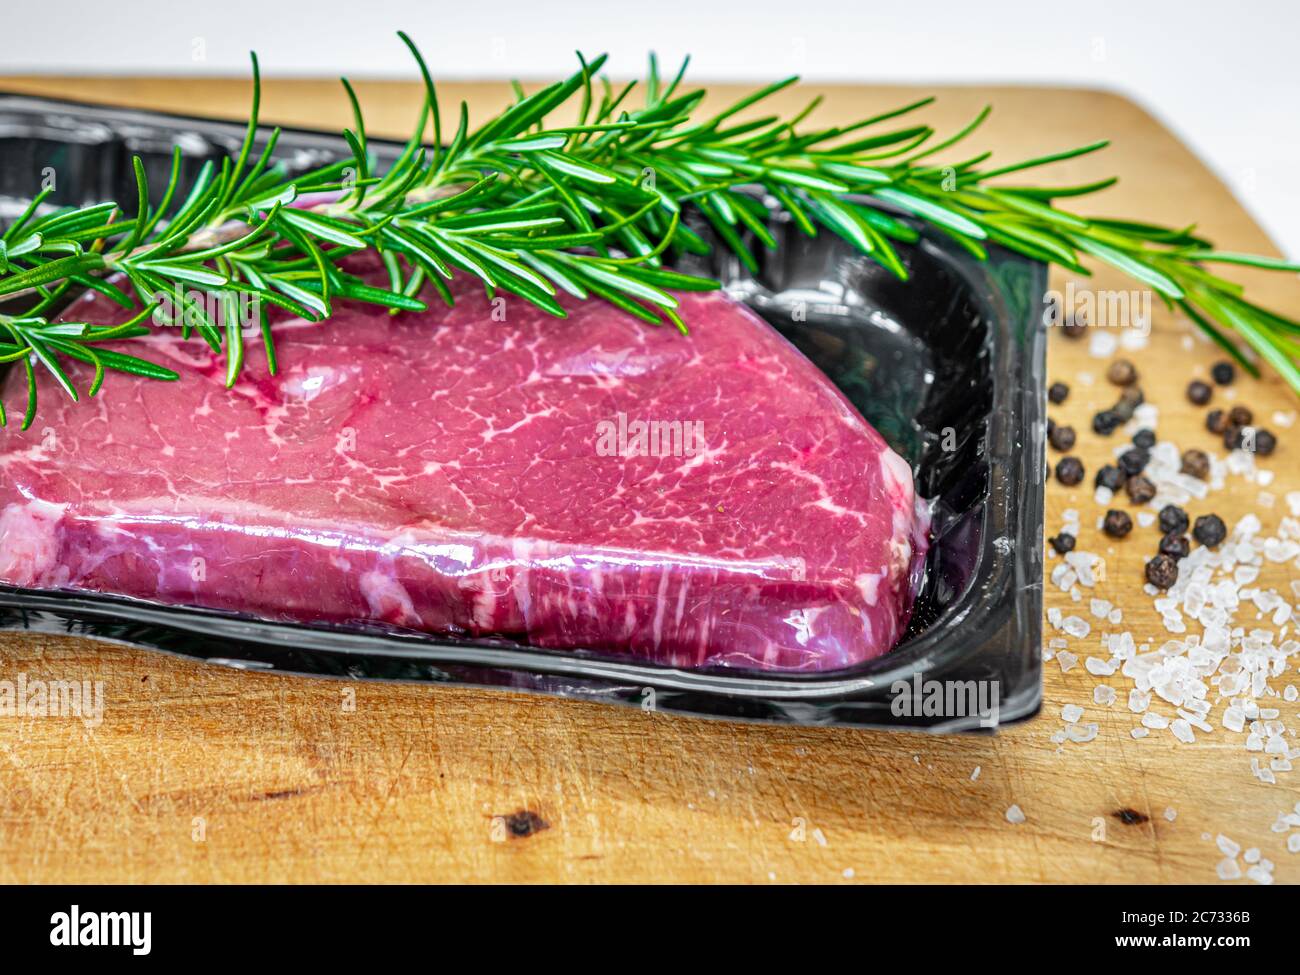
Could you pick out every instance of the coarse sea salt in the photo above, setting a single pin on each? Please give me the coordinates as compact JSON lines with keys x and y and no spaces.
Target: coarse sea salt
{"x":1081,"y":733}
{"x":1226,"y":630}
{"x":1260,"y":875}
{"x":1098,"y":667}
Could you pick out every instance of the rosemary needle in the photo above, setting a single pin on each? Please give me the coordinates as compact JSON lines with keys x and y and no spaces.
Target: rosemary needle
{"x":592,"y":209}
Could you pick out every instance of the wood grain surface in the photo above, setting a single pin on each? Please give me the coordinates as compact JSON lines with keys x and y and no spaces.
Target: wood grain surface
{"x":202,"y":774}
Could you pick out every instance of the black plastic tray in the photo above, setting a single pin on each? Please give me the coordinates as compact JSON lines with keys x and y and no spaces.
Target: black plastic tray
{"x":949,"y":367}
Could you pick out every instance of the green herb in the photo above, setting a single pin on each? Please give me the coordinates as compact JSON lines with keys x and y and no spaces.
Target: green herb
{"x":593,"y":209}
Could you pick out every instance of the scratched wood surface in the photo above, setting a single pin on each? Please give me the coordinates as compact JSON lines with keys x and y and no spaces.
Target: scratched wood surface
{"x":203,"y":774}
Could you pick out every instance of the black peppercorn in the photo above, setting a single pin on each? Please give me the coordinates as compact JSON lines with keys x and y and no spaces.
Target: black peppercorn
{"x":1110,"y":477}
{"x":1144,"y":438}
{"x":1199,"y":392}
{"x":1140,"y":489}
{"x":1162,"y":572}
{"x":1209,"y":530}
{"x":1122,"y":373}
{"x":1117,"y":524}
{"x":1075,"y":326}
{"x":1216,"y":421}
{"x":1062,"y":438}
{"x":1134,"y":461}
{"x":1240,"y":416}
{"x":1250,"y":438}
{"x":1064,"y":542}
{"x":1069,"y":471}
{"x":1173,"y":519}
{"x":1196,"y":463}
{"x":1105,"y":422}
{"x":1223,"y":373}
{"x":1175,"y":545}
{"x":1129,"y":400}
{"x":1057,"y":393}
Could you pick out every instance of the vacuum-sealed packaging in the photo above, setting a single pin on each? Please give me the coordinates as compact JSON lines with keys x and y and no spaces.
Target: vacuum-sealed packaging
{"x":483,"y":470}
{"x":829,"y":490}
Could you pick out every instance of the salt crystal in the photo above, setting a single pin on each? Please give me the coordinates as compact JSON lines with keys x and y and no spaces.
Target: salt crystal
{"x":1066,"y":660}
{"x":1227,"y":846}
{"x":1139,"y":732}
{"x":1228,"y":870}
{"x":1136,"y":338}
{"x":1260,"y":875}
{"x":1293,"y":842}
{"x":1099,"y":667}
{"x":1170,"y":813}
{"x":1076,"y":626}
{"x":1156,"y":721}
{"x":1182,"y":730}
{"x":1103,"y":695}
{"x":975,"y":774}
{"x":1071,"y":713}
{"x":1015,"y":815}
{"x":1251,"y":855}
{"x":1081,"y":733}
{"x":1102,"y":343}
{"x":1063,"y":577}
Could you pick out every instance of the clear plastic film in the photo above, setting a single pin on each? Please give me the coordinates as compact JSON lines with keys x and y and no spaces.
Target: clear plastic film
{"x":587,"y":507}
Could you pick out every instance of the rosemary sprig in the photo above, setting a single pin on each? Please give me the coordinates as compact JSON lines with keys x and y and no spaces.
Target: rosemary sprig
{"x":593,"y":209}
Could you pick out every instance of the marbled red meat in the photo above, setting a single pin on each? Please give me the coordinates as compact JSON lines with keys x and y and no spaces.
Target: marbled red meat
{"x":480,"y":471}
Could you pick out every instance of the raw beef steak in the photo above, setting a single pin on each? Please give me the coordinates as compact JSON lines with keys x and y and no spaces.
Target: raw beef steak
{"x":590,"y":483}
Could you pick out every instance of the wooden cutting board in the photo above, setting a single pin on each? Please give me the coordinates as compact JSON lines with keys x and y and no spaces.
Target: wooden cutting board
{"x":203,"y":774}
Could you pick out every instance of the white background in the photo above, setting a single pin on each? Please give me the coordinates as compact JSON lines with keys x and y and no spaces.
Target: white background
{"x":1225,"y":77}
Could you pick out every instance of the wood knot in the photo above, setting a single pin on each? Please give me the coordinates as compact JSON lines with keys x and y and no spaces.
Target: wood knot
{"x":1130,"y":817}
{"x":525,"y":823}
